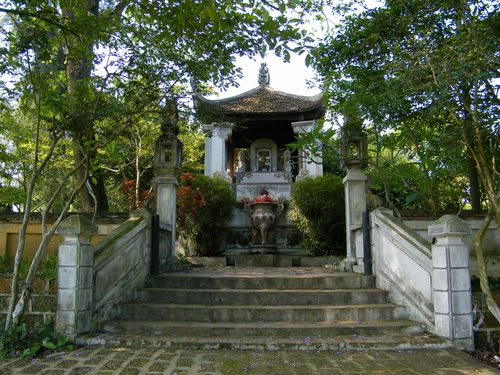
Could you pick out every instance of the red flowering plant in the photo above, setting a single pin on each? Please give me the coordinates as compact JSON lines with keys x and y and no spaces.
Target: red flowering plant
{"x":204,"y":204}
{"x":190,"y":198}
{"x":134,"y":199}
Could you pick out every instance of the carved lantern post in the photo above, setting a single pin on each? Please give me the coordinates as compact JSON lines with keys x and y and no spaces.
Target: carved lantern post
{"x":354,"y":149}
{"x":167,"y":160}
{"x":354,"y":152}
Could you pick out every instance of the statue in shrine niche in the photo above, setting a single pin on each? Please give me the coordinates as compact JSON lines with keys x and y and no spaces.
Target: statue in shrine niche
{"x":263,"y":213}
{"x":287,"y":158}
{"x":242,"y":161}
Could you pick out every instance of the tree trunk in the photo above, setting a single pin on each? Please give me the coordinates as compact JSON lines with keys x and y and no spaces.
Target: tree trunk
{"x":98,"y":189}
{"x":27,"y":289}
{"x":37,"y":171}
{"x":79,"y":64}
{"x":475,"y":190}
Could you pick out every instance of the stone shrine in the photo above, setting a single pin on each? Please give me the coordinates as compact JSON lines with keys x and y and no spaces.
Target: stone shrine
{"x":246,"y":143}
{"x":248,"y":135}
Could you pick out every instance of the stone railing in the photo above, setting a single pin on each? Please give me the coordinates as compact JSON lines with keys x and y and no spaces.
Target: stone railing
{"x":431,"y":280}
{"x":122,"y":263}
{"x":93,"y":280}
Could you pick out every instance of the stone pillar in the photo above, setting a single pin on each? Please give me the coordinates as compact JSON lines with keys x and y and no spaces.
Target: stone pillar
{"x":216,"y":149}
{"x":451,"y":281}
{"x":307,"y":168}
{"x":167,"y":161}
{"x":166,"y":201}
{"x":75,"y":276}
{"x":355,"y":188}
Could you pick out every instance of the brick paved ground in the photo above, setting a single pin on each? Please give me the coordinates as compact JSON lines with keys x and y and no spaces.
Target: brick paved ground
{"x":107,"y":361}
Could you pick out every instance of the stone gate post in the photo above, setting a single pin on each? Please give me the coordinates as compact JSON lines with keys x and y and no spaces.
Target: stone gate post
{"x":75,"y":276}
{"x":355,"y":187}
{"x":451,"y":281}
{"x":167,"y":160}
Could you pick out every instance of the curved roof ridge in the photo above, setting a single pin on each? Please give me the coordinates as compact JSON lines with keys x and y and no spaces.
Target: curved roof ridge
{"x":256,"y":90}
{"x":261,"y":101}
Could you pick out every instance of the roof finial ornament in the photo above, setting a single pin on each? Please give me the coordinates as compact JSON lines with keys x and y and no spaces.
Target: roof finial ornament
{"x":264,"y":77}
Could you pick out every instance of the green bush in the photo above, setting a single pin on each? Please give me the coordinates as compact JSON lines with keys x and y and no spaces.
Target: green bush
{"x":317,"y":208}
{"x":31,"y":341}
{"x":204,"y":204}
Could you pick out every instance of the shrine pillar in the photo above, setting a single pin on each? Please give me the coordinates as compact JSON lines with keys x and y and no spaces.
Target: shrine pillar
{"x":309,"y":166}
{"x":216,"y":136}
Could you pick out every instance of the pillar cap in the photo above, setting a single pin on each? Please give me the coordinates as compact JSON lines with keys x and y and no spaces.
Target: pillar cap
{"x":77,"y":225}
{"x":355,"y":174}
{"x":384,"y":210}
{"x":449,"y":225}
{"x":141,"y":212}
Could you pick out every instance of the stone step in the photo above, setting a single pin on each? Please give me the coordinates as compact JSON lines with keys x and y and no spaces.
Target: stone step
{"x":256,"y":313}
{"x":201,"y":280}
{"x":384,"y":342}
{"x":250,"y":329}
{"x":237,"y":259}
{"x":262,"y":296}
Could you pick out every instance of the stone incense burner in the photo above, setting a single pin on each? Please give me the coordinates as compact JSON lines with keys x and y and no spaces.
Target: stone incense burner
{"x":264,"y":213}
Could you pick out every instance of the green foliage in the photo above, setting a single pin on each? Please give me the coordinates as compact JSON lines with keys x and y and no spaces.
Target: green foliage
{"x":98,"y":73}
{"x":423,"y":77}
{"x":193,"y":151}
{"x":317,"y":208}
{"x":11,"y":195}
{"x":204,"y":204}
{"x":46,"y":271}
{"x":48,"y":268}
{"x":21,"y":340}
{"x":312,"y":142}
{"x":418,"y":175}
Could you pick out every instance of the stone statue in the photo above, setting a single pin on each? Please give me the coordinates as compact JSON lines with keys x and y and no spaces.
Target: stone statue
{"x":264,"y":77}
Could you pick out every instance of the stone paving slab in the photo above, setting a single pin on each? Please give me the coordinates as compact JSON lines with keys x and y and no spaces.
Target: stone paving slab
{"x":151,"y":361}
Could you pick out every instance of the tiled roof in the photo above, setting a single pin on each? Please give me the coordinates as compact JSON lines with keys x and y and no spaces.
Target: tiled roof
{"x":264,"y":99}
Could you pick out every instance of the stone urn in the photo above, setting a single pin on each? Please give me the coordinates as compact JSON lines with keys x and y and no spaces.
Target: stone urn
{"x":263,"y":218}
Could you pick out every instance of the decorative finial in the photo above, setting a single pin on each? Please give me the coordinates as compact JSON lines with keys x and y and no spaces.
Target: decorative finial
{"x":264,"y":77}
{"x":169,"y":118}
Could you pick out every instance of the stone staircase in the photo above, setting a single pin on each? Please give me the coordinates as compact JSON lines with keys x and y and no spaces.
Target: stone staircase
{"x":263,"y":309}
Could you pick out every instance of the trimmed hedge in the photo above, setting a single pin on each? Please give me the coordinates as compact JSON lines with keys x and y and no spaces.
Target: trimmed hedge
{"x":317,"y":208}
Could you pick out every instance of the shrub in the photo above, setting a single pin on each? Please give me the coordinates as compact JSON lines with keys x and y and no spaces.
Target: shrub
{"x":317,"y":208}
{"x":204,"y":204}
{"x":31,"y":342}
